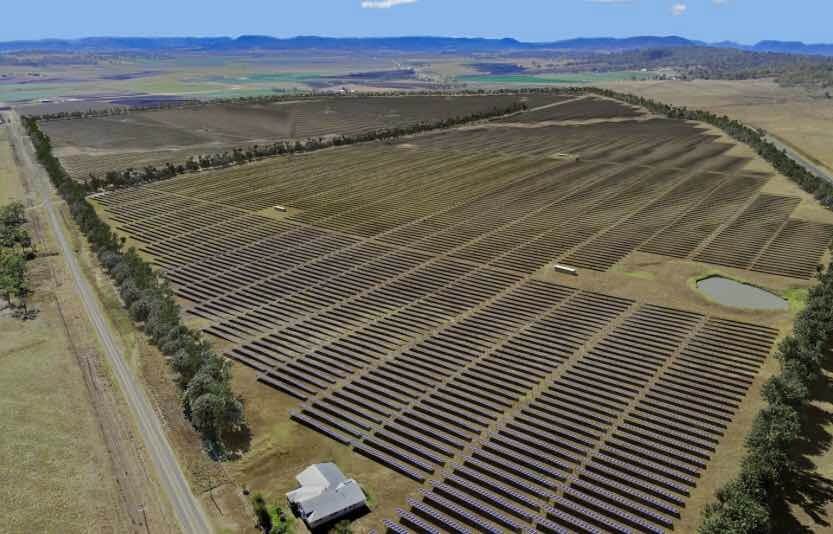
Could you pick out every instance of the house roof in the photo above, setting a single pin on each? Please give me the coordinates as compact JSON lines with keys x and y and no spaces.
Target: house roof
{"x":340,"y":499}
{"x":325,"y":494}
{"x":315,"y":480}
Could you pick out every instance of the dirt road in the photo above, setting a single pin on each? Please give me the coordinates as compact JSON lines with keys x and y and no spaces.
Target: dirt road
{"x":189,"y":512}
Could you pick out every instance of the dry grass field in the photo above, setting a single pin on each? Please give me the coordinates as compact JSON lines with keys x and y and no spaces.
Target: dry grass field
{"x":797,"y":117}
{"x":10,"y":188}
{"x":141,"y":138}
{"x":53,"y":461}
{"x":403,"y":317}
{"x":56,"y":471}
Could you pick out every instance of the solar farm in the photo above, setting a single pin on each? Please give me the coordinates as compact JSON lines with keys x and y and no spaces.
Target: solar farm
{"x":153,"y":137}
{"x":403,"y":300}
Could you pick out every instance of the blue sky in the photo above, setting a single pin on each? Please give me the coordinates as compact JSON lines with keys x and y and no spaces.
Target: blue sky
{"x":529,"y":20}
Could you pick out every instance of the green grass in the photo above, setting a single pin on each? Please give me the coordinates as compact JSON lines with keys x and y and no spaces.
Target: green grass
{"x":282,"y":517}
{"x":546,"y":79}
{"x":234,"y":93}
{"x":797,"y":298}
{"x":267,"y":77}
{"x":30,"y":92}
{"x":219,"y":86}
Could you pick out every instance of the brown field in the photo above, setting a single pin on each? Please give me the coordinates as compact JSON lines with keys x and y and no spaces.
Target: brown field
{"x":406,"y":308}
{"x":797,"y":117}
{"x":141,"y":138}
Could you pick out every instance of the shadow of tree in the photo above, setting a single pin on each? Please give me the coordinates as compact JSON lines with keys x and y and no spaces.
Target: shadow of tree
{"x":808,"y":490}
{"x":237,"y":443}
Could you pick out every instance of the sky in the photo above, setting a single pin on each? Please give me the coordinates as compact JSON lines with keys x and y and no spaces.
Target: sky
{"x":746,"y":21}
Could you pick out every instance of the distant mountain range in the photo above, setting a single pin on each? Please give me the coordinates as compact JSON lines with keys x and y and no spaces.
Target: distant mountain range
{"x":429,"y":44}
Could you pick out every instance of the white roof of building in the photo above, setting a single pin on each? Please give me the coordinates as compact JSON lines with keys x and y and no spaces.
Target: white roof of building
{"x":325,"y":494}
{"x":315,"y":480}
{"x":344,"y":498}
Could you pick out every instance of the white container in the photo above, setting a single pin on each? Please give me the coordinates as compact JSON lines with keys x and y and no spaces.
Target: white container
{"x":565,"y":269}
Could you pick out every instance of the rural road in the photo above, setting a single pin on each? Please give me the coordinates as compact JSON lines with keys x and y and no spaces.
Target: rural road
{"x":809,"y":165}
{"x":188,"y":511}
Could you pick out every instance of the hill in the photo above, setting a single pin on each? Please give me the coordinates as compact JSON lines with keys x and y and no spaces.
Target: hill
{"x":411,"y":43}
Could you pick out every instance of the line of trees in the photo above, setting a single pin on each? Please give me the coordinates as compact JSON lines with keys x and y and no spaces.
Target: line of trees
{"x":202,"y":375}
{"x":747,"y":504}
{"x":768,"y":472}
{"x":270,"y":99}
{"x":15,"y":249}
{"x":238,"y":156}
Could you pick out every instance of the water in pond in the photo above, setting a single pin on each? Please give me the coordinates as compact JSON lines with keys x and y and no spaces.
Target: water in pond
{"x":731,"y":293}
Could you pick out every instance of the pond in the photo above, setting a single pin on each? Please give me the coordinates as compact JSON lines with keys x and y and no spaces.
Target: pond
{"x":739,"y":295}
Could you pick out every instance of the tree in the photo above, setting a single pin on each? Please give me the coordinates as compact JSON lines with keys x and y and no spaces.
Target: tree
{"x":177,"y":338}
{"x":129,"y":292}
{"x":281,"y":523}
{"x":13,"y":214}
{"x":140,"y":309}
{"x":13,"y":281}
{"x":14,"y":237}
{"x":264,"y":518}
{"x":210,"y":402}
{"x":735,"y":512}
{"x":188,"y":360}
{"x":216,"y":412}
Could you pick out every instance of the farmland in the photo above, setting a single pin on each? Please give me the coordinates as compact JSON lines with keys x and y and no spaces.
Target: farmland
{"x":404,"y":308}
{"x":138,"y":139}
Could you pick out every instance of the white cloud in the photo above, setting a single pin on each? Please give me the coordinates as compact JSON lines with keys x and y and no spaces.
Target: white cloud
{"x":678,"y":9}
{"x":385,"y":4}
{"x":720,"y":2}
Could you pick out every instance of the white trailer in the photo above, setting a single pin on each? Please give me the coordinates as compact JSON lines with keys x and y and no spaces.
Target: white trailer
{"x":565,"y":269}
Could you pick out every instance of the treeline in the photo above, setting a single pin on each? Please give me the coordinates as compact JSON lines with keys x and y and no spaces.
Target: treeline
{"x":132,"y":177}
{"x":15,"y":249}
{"x":202,"y":375}
{"x":706,"y":62}
{"x":809,"y":182}
{"x":271,"y":99}
{"x":768,"y":472}
{"x":746,"y":505}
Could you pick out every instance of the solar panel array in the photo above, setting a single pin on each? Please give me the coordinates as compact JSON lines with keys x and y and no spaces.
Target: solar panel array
{"x":399,"y":300}
{"x":669,"y":196}
{"x":764,"y":238}
{"x":613,"y":441}
{"x":582,"y":109}
{"x":142,"y":138}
